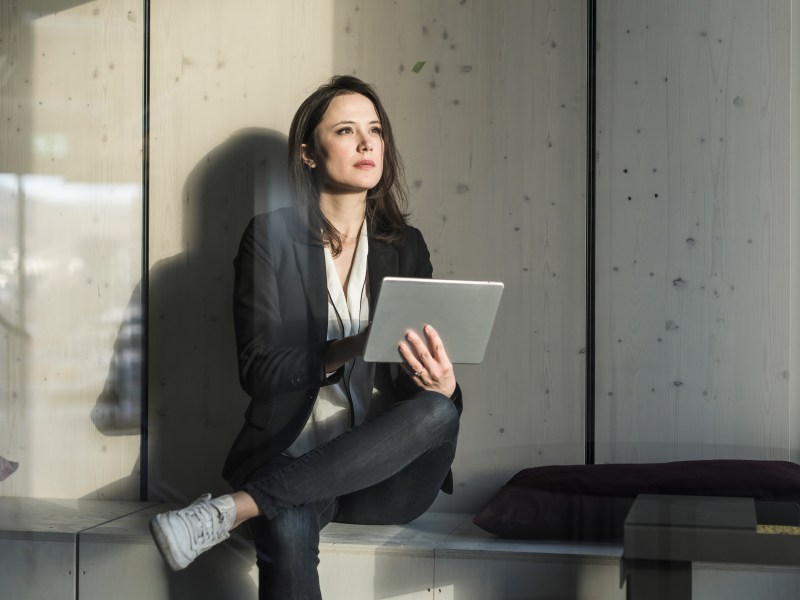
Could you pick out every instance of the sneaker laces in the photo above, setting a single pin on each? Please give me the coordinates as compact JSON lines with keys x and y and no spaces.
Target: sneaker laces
{"x":205,"y":522}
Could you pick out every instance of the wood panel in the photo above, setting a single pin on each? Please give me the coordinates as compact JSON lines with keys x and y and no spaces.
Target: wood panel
{"x":794,"y":195}
{"x":471,"y":577}
{"x":70,"y":249}
{"x":38,"y":569}
{"x":492,"y":128}
{"x":492,"y":132}
{"x":400,"y":573}
{"x":693,"y":230}
{"x":225,"y":81}
{"x":39,"y":554}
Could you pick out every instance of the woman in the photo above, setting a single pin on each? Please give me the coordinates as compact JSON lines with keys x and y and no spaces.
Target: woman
{"x":327,"y":437}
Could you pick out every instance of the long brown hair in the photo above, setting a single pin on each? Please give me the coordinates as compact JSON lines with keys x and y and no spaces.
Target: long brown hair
{"x":387,"y":202}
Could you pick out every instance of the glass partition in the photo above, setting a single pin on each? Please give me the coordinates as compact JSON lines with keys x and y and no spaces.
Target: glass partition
{"x":70,"y":247}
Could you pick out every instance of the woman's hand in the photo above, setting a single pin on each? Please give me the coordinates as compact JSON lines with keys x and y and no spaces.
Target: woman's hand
{"x":344,"y":350}
{"x":430,"y":370}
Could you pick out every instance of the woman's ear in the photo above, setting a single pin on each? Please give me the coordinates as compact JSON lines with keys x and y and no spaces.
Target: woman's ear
{"x":307,"y":156}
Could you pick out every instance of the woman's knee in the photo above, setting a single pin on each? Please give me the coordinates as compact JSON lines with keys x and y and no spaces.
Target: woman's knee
{"x":437,"y":413}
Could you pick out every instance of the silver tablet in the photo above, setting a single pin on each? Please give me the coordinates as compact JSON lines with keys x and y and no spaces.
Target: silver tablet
{"x":462,"y":312}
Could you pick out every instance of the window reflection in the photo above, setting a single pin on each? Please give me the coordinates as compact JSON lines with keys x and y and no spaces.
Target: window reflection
{"x":70,"y":247}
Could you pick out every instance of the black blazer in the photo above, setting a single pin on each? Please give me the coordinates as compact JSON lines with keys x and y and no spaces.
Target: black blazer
{"x":281,"y":321}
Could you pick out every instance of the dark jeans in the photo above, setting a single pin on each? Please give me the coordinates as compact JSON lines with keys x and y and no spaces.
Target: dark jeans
{"x":385,"y":471}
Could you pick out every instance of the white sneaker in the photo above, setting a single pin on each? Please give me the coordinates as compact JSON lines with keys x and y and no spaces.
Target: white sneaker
{"x":182,"y":535}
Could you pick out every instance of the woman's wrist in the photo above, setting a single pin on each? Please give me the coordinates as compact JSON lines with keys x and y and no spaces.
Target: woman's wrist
{"x":344,"y":350}
{"x":335,"y":355}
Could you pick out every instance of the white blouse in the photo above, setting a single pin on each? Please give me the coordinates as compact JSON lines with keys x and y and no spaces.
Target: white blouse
{"x":346,"y":403}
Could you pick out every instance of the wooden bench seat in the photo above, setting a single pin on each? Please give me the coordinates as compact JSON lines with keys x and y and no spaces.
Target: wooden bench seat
{"x":93,"y":550}
{"x":443,"y":556}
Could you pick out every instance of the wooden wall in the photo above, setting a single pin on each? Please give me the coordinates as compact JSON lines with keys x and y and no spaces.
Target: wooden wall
{"x":70,"y":246}
{"x":697,"y":193}
{"x":492,"y":133}
{"x":794,"y":224}
{"x":493,"y":128}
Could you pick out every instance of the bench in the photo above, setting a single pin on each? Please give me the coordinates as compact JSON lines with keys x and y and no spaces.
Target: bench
{"x":92,"y":550}
{"x":445,"y":556}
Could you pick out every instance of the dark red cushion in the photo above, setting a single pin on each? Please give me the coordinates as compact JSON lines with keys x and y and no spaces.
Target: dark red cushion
{"x":590,"y":502}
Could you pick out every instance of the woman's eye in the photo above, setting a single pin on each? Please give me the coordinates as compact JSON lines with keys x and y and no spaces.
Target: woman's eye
{"x":344,"y":130}
{"x":377,"y":130}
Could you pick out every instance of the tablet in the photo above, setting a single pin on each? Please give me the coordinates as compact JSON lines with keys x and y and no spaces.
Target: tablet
{"x":462,"y":312}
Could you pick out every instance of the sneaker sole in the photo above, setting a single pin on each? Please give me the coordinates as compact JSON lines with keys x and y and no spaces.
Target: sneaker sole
{"x":162,"y":543}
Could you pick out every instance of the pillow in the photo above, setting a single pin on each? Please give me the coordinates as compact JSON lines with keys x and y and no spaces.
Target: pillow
{"x":590,"y":502}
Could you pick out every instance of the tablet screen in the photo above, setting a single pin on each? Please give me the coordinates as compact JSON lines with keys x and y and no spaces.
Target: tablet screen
{"x":463,"y":313}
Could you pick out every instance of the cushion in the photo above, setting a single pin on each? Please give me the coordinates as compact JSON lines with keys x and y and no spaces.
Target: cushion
{"x":590,"y":502}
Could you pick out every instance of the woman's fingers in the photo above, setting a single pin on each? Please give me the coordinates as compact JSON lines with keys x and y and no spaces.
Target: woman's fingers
{"x":413,"y":365}
{"x":437,"y":347}
{"x":425,"y":361}
{"x":427,"y":364}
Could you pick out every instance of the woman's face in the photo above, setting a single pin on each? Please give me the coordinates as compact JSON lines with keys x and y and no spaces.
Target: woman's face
{"x":349,"y":146}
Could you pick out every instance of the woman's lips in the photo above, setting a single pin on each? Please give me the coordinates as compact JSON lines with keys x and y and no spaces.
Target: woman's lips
{"x":365,"y":164}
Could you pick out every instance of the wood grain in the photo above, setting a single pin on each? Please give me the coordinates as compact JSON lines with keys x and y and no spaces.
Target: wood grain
{"x":492,"y":132}
{"x":794,"y":224}
{"x":693,"y":230}
{"x":70,"y":145}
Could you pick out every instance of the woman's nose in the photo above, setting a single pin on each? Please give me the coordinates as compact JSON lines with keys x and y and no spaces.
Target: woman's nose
{"x":365,"y":143}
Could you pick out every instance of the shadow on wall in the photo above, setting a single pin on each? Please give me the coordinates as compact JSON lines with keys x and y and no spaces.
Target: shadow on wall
{"x":195,"y":401}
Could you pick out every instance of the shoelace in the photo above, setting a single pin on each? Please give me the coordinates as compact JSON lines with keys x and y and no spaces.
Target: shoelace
{"x":205,"y":531}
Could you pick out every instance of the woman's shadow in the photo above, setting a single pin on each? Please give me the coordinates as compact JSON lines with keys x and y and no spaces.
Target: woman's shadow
{"x":195,"y":403}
